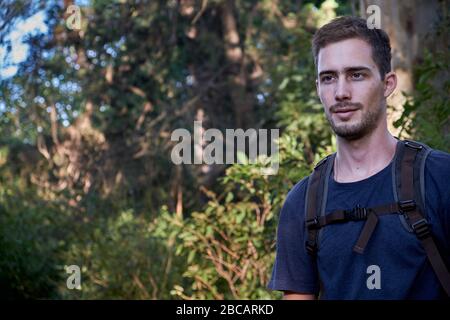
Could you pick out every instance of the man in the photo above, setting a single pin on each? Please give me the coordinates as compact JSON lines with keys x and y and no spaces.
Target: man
{"x":354,"y":80}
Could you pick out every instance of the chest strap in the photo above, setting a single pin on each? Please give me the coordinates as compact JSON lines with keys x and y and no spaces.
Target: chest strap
{"x":357,"y":214}
{"x":354,"y":214}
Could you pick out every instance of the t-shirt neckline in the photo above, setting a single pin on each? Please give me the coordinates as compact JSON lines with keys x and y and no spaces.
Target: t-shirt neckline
{"x":362,"y":182}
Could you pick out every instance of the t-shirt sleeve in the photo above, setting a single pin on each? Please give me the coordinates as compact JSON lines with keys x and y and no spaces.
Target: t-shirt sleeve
{"x":294,"y":269}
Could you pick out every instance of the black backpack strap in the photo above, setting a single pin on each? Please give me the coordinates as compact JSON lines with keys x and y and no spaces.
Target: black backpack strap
{"x":410,"y":174}
{"x":419,"y":176}
{"x":315,"y":201}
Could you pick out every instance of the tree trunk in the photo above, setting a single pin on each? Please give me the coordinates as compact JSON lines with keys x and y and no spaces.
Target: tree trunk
{"x":410,"y":26}
{"x":238,"y":81}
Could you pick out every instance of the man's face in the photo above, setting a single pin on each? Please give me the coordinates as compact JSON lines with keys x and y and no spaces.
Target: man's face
{"x":350,"y":88}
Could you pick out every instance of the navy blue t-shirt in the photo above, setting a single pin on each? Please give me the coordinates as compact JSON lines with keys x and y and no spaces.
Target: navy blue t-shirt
{"x":403,"y":270}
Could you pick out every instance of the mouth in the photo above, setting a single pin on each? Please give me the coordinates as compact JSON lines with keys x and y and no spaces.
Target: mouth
{"x":345,"y":114}
{"x":345,"y":110}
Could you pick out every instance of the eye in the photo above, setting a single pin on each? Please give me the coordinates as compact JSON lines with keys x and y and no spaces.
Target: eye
{"x":357,"y":76}
{"x":326,"y":78}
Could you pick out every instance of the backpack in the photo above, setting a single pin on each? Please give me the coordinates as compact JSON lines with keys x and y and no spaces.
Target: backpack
{"x":408,"y":182}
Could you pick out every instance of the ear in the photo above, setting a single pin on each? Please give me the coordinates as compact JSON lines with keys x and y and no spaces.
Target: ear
{"x":390,"y":83}
{"x":317,"y":87}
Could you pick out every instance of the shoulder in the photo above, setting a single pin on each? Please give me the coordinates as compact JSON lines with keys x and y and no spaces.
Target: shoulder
{"x":437,"y":174}
{"x":439,"y":160}
{"x":297,"y":194}
{"x":292,"y":216}
{"x":437,"y":166}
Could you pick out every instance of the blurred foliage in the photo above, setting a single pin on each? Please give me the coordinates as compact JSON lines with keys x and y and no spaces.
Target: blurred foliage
{"x":426,"y":115}
{"x":85,"y":170}
{"x":230,"y":245}
{"x":29,"y":244}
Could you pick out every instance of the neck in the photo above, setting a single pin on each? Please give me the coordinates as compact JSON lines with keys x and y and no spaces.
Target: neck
{"x":359,"y":159}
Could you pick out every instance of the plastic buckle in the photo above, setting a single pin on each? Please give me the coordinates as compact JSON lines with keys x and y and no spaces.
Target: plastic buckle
{"x":312,"y":223}
{"x":407,"y":205}
{"x":413,"y":145}
{"x":421,"y":229}
{"x":357,"y":213}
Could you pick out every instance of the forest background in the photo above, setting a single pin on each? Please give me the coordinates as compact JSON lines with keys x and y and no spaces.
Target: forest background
{"x":86,"y":176}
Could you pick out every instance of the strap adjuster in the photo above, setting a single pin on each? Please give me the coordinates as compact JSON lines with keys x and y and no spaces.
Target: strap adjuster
{"x":312,"y":223}
{"x":421,"y":229}
{"x":407,"y":205}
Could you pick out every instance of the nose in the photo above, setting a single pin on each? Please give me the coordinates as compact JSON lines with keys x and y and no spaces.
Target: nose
{"x":343,"y":91}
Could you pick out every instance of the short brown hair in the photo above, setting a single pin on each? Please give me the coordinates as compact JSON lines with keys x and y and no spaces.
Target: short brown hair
{"x":348,"y":27}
